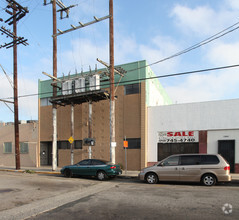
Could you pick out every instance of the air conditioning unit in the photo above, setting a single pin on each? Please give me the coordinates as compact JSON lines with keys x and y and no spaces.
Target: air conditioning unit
{"x":80,"y":85}
{"x":94,"y":82}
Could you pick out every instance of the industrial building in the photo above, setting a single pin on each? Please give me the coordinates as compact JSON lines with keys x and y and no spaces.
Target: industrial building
{"x":205,"y":127}
{"x":133,"y":96}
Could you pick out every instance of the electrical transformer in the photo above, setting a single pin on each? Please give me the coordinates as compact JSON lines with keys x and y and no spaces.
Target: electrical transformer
{"x":67,"y":87}
{"x":94,"y":82}
{"x":80,"y":85}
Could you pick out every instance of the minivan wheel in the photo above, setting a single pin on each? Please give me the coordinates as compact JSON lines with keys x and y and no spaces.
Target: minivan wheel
{"x":152,"y":178}
{"x":209,"y":180}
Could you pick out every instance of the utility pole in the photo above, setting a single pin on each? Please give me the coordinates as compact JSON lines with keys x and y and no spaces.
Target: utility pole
{"x":72,"y":133}
{"x":112,"y":91}
{"x":17,"y":13}
{"x":112,"y":70}
{"x":90,"y":127}
{"x":54,"y":106}
{"x":17,"y":147}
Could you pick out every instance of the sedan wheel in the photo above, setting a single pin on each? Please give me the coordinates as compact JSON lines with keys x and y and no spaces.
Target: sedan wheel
{"x":68,"y":173}
{"x":101,"y":175}
{"x":208,"y":180}
{"x":151,"y":178}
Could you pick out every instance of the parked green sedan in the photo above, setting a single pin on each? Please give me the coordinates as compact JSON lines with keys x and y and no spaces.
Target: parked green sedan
{"x":92,"y":167}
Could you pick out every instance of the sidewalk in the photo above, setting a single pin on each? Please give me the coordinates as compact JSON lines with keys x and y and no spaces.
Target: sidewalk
{"x":48,"y":170}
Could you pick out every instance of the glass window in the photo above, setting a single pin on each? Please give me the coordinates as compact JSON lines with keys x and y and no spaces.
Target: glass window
{"x":78,"y":144}
{"x":97,"y":162}
{"x":24,"y":148}
{"x":190,"y":160}
{"x":209,"y":159}
{"x":45,"y":102}
{"x":67,"y":145}
{"x":134,"y":143}
{"x":171,"y":161}
{"x":132,"y":89}
{"x":63,"y":145}
{"x":7,"y":147}
{"x":85,"y":162}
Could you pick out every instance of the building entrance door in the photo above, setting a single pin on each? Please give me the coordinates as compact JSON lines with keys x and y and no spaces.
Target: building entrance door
{"x":227,"y":149}
{"x":167,"y":149}
{"x":45,"y":154}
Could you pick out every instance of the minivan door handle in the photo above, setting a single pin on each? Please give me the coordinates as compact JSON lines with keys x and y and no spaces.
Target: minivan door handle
{"x":176,"y":168}
{"x":183,"y":168}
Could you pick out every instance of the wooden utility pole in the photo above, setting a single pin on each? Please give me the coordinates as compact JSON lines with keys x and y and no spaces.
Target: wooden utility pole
{"x":17,"y":13}
{"x":17,"y":146}
{"x":54,"y":106}
{"x":112,"y":90}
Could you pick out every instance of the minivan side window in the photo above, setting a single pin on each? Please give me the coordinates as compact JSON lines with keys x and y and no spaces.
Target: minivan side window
{"x":190,"y":160}
{"x":172,"y":161}
{"x":209,"y":159}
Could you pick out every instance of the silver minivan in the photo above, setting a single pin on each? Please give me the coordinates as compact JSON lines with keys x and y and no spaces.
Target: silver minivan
{"x":205,"y":168}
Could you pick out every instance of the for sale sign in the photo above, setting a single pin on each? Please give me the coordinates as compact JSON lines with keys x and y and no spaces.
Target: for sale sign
{"x":177,"y":136}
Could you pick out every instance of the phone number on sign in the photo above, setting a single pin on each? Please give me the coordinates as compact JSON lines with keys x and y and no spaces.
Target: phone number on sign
{"x":175,"y":140}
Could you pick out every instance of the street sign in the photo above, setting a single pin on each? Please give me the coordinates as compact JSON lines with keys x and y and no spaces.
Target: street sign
{"x":125,"y":143}
{"x":71,"y":140}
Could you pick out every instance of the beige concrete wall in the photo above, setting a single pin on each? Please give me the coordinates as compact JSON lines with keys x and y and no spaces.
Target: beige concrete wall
{"x":27,"y":133}
{"x":64,"y":157}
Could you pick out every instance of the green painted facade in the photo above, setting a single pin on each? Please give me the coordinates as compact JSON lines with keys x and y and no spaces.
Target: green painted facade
{"x":136,"y":72}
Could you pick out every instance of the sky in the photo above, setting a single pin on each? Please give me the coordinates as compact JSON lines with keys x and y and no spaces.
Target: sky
{"x":144,"y":30}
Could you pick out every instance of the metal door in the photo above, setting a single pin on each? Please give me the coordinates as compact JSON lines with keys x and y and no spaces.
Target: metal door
{"x":227,"y":149}
{"x":45,"y":154}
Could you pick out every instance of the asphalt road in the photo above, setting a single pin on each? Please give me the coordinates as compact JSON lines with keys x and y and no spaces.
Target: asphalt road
{"x":77,"y":198}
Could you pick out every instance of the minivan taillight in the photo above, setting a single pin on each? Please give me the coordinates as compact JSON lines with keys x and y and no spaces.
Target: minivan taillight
{"x":227,"y":168}
{"x":113,"y":167}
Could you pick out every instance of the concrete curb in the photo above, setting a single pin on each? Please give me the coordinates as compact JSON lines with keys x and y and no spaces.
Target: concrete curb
{"x":56,"y":173}
{"x":122,"y":176}
{"x":31,"y":171}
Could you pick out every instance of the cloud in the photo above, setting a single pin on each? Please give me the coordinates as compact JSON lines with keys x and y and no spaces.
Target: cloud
{"x":82,"y":55}
{"x":205,"y":87}
{"x":224,"y":53}
{"x":161,"y":47}
{"x":28,"y":106}
{"x":203,"y":20}
{"x":234,"y":4}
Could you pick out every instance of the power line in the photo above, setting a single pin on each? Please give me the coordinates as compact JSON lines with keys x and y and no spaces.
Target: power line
{"x":146,"y":78}
{"x":195,"y":46}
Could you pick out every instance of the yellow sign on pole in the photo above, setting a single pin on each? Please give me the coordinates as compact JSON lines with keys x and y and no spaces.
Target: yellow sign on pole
{"x":71,"y":139}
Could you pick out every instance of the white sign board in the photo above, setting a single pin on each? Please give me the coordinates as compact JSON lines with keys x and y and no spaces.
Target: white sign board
{"x":177,"y":136}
